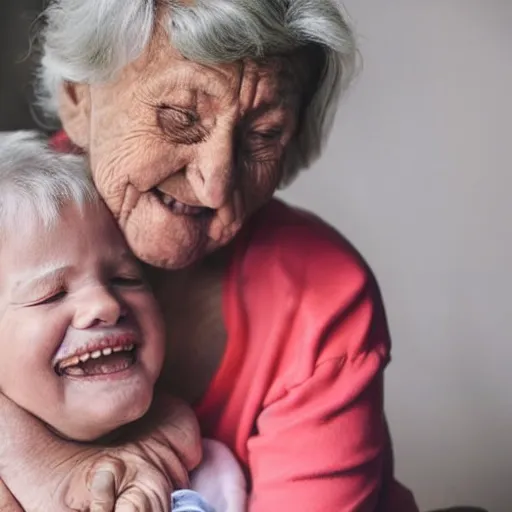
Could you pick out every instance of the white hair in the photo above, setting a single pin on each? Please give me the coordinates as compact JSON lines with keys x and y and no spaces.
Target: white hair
{"x":89,"y":41}
{"x":37,"y":182}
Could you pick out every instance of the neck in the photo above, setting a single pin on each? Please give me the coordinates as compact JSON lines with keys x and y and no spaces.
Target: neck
{"x":162,"y":279}
{"x":191,"y":302}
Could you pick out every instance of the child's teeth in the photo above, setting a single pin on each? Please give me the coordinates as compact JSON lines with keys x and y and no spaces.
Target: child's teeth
{"x":73,"y":361}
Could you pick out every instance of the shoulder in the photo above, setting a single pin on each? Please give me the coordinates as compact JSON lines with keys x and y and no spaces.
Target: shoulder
{"x":302,"y":278}
{"x":293,"y":245}
{"x":61,"y":143}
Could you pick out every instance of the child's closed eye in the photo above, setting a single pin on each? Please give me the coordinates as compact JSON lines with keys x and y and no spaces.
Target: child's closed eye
{"x":49,"y":299}
{"x":127,"y":281}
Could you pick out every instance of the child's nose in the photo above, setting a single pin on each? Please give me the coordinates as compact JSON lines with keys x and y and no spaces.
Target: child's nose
{"x":98,"y":307}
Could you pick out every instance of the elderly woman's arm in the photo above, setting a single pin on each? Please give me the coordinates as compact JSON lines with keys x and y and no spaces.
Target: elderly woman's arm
{"x":47,"y":473}
{"x":322,"y":445}
{"x":329,"y":453}
{"x":312,"y":382}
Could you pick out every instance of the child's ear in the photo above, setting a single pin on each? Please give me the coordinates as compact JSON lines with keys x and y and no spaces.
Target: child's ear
{"x":75,"y":112}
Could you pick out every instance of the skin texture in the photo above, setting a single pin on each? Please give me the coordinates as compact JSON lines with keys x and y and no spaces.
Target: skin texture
{"x":211,"y":137}
{"x":150,"y":460}
{"x":63,"y":291}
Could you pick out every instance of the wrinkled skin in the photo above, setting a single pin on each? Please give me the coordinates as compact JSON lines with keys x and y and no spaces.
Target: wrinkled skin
{"x":210,"y":137}
{"x":136,"y":475}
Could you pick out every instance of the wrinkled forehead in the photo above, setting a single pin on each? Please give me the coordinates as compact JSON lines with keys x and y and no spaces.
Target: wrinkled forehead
{"x":274,"y":79}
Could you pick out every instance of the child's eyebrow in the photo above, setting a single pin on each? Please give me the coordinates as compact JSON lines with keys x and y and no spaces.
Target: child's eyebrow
{"x":127,"y":257}
{"x":126,"y":260}
{"x":47,"y":276}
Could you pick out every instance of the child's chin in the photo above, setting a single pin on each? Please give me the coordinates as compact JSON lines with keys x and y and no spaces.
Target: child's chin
{"x":108,"y":422}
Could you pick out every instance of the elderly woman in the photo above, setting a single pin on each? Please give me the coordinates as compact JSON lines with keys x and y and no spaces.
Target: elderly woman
{"x":192,"y":114}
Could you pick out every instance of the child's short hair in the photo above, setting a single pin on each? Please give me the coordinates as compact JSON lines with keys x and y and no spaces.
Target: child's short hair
{"x":37,"y":182}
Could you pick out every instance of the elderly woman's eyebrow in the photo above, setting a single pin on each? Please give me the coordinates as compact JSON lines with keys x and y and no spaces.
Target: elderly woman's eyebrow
{"x":203,"y":80}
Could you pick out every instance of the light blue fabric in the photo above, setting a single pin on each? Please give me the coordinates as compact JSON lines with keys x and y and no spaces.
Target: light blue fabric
{"x":186,"y":500}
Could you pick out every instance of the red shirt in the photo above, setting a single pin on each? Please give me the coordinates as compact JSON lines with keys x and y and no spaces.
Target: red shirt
{"x":299,"y":393}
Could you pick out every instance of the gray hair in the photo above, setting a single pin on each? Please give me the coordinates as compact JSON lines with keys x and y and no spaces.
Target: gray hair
{"x":37,"y":182}
{"x":89,"y":41}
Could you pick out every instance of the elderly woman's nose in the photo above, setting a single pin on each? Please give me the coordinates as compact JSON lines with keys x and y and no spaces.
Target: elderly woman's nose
{"x":213,"y":172}
{"x":97,"y":306}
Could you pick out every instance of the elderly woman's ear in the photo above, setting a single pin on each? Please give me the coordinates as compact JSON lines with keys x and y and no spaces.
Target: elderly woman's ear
{"x":75,"y":111}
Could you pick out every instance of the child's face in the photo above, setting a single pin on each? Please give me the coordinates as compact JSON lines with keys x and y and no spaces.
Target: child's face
{"x":81,"y":338}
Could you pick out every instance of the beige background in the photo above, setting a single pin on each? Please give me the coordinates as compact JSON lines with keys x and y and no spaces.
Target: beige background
{"x":418,"y":174}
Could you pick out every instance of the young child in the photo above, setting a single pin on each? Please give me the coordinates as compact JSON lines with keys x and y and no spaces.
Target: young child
{"x":81,"y":336}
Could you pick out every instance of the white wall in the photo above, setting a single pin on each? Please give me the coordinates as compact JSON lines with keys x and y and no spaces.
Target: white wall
{"x":418,"y":174}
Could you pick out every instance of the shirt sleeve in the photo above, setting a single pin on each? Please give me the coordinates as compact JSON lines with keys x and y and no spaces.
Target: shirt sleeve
{"x":186,"y":500}
{"x":320,"y":446}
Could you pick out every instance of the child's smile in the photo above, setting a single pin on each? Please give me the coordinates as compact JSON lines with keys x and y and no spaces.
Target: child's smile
{"x":81,"y":336}
{"x":104,"y":356}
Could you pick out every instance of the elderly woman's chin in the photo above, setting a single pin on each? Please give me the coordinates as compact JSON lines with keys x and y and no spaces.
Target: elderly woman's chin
{"x":166,"y":240}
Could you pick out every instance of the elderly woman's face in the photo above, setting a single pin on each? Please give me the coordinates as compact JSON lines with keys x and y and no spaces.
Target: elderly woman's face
{"x":183,"y":152}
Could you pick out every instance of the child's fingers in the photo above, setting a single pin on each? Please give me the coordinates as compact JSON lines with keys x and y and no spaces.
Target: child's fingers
{"x":8,"y":502}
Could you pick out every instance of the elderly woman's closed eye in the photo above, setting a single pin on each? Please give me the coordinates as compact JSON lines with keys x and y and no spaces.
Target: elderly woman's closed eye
{"x":192,"y":114}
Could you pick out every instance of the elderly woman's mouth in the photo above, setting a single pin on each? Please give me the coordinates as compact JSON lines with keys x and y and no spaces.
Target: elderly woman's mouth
{"x":179,"y":208}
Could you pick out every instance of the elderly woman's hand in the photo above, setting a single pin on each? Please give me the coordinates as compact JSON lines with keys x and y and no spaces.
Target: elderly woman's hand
{"x":8,"y":502}
{"x":135,"y":475}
